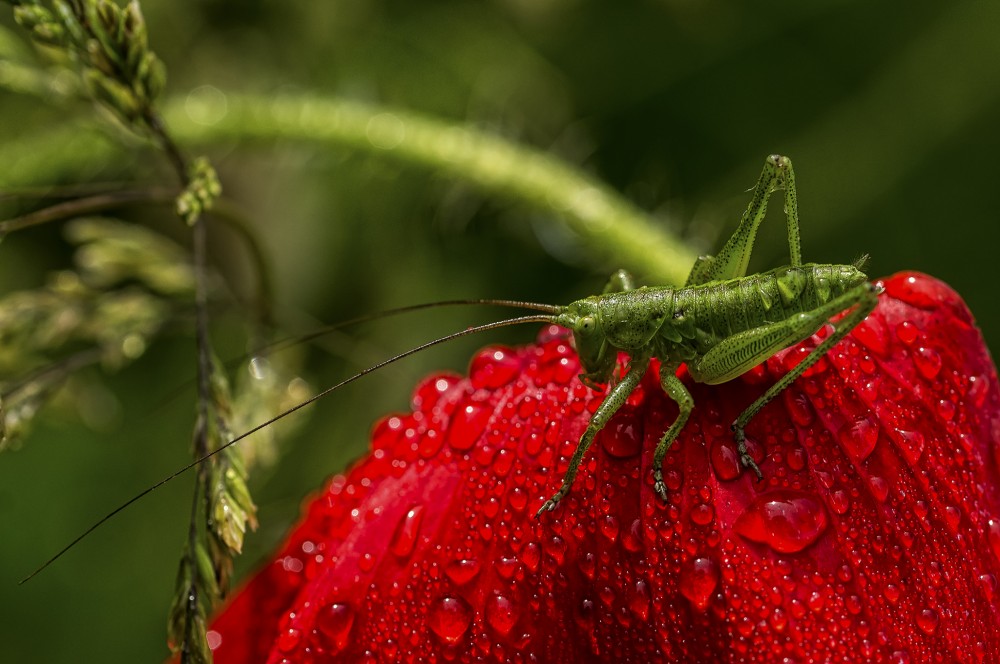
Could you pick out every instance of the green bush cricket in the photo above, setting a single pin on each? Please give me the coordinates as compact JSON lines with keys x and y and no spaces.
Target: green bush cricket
{"x":721,"y":323}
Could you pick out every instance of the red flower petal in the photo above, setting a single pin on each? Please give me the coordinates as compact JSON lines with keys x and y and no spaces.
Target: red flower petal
{"x":874,"y":536}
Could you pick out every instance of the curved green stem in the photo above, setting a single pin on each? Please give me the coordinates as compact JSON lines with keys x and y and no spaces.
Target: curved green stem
{"x":612,"y":227}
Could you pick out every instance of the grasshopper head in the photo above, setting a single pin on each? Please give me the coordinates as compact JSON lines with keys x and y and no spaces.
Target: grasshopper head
{"x":596,"y":355}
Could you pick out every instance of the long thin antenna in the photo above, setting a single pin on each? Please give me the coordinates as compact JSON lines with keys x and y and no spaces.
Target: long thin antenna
{"x":309,"y":336}
{"x":288,"y":342}
{"x":320,"y":395}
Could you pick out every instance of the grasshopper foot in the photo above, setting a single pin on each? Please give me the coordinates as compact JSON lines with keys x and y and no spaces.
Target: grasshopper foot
{"x":659,"y":486}
{"x":745,"y":458}
{"x":551,"y":503}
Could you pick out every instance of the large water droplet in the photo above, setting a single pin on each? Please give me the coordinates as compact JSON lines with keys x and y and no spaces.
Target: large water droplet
{"x":927,"y":620}
{"x":334,"y":623}
{"x":919,"y":290}
{"x":501,"y":614}
{"x":622,"y":437}
{"x":786,"y":520}
{"x":699,"y":580}
{"x":462,"y":571}
{"x":494,"y":367}
{"x":858,"y":437}
{"x":725,"y":460}
{"x":407,"y":530}
{"x":450,"y":618}
{"x":911,"y":445}
{"x":467,"y":425}
{"x":928,"y":362}
{"x":639,"y":599}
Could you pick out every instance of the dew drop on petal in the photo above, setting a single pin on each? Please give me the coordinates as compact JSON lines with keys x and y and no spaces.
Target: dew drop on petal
{"x":494,"y":367}
{"x":622,"y":437}
{"x":919,"y":290}
{"x":699,"y":580}
{"x":334,"y":623}
{"x":639,"y":599}
{"x":288,"y":639}
{"x":702,"y":514}
{"x":911,"y":445}
{"x":994,"y":530}
{"x":407,"y":530}
{"x":462,"y":571}
{"x":928,"y":362}
{"x":907,"y":332}
{"x":725,"y":460}
{"x":786,"y":520}
{"x":858,"y":437}
{"x":467,"y":425}
{"x":927,"y":620}
{"x":501,"y":614}
{"x":450,"y":618}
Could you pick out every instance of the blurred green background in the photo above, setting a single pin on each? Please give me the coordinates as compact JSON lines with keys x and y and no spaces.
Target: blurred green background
{"x":890,"y":115}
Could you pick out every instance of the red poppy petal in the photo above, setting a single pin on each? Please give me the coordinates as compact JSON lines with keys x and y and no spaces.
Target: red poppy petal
{"x":874,"y":535}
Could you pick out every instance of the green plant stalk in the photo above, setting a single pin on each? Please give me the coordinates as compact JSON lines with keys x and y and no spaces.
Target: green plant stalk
{"x":612,"y":227}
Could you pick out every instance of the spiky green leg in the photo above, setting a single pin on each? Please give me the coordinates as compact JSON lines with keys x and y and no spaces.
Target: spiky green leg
{"x":675,"y":390}
{"x":732,"y":260}
{"x":864,"y":297}
{"x":612,"y":402}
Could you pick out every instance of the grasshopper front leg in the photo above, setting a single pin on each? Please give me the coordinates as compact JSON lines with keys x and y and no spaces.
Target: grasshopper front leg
{"x":675,"y":390}
{"x":612,"y":402}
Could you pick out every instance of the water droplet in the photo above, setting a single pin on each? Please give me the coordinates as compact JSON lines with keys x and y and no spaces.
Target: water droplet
{"x":872,"y":334}
{"x":494,"y":367}
{"x":879,"y":487}
{"x":334,"y":623}
{"x":531,"y":556}
{"x":407,"y":530}
{"x":622,"y":437}
{"x":725,"y":460}
{"x":699,"y":580}
{"x":994,"y":529}
{"x":858,"y":437}
{"x":786,"y":520}
{"x":467,"y":425}
{"x":911,"y":445}
{"x":501,"y":614}
{"x":928,"y":362}
{"x":450,"y":618}
{"x":609,"y":527}
{"x":462,"y":571}
{"x":702,"y":514}
{"x":907,"y":332}
{"x":927,"y":620}
{"x":946,"y":410}
{"x":289,"y":639}
{"x":639,"y":599}
{"x":839,"y":502}
{"x":798,"y":407}
{"x":430,"y":390}
{"x":919,"y":290}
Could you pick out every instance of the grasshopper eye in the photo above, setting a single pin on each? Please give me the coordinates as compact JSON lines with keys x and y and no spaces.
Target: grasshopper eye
{"x":588,"y":324}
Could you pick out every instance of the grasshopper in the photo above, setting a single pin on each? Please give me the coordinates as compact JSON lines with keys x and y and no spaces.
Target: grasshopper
{"x":721,"y":323}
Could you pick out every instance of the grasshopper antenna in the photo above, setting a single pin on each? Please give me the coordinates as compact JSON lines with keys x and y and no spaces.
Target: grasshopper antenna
{"x":315,"y":334}
{"x":471,"y":330}
{"x":291,"y":341}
